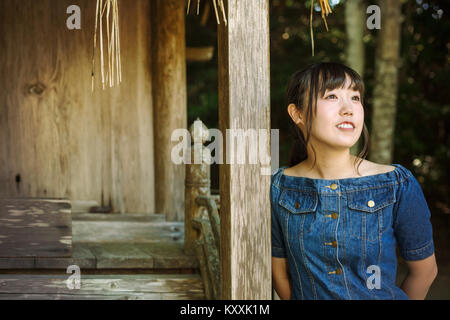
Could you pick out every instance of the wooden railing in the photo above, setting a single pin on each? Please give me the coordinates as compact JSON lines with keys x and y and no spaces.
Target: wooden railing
{"x":202,"y":220}
{"x":207,"y":247}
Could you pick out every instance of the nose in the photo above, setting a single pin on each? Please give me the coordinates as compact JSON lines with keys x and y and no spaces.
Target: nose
{"x":346,"y":107}
{"x":347,"y":110}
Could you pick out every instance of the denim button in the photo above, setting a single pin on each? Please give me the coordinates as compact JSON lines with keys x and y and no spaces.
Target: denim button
{"x":334,"y":215}
{"x":296,"y":205}
{"x":371,"y":203}
{"x":338,"y":271}
{"x":333,"y":186}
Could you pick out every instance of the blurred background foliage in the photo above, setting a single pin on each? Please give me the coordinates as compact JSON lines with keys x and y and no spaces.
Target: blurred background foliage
{"x":422,"y":123}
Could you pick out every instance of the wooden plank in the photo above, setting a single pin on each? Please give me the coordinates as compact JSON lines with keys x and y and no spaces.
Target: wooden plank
{"x":17,"y":263}
{"x":168,"y":255}
{"x":82,"y":257}
{"x":35,"y":227}
{"x":244,"y":103}
{"x":91,"y":285}
{"x":147,"y":256}
{"x":182,"y":296}
{"x":57,"y":137}
{"x":115,"y":217}
{"x":137,"y":232}
{"x":121,"y":296}
{"x":120,"y":256}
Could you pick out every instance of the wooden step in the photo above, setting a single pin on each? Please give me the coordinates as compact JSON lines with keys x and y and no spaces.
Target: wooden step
{"x":158,"y":255}
{"x":118,"y":241}
{"x":102,"y":287}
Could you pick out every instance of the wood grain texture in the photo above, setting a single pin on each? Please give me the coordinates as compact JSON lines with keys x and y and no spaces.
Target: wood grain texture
{"x":170,"y":102}
{"x":114,"y":287}
{"x":35,"y":228}
{"x":244,"y":103}
{"x":57,"y":138}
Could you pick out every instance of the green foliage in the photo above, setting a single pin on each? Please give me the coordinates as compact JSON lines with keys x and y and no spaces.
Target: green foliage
{"x":422,"y":125}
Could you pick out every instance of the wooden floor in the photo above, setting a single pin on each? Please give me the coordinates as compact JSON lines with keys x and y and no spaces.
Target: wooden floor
{"x":118,"y":241}
{"x":102,"y":287}
{"x":121,"y":256}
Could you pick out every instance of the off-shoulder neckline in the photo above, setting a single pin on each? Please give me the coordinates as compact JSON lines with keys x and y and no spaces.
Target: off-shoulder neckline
{"x":299,"y":178}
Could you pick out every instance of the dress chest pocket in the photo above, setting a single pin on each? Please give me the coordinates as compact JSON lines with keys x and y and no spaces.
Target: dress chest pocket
{"x":299,"y":211}
{"x":370,"y":212}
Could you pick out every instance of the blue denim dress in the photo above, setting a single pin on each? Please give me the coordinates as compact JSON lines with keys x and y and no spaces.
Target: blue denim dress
{"x":340,"y":236}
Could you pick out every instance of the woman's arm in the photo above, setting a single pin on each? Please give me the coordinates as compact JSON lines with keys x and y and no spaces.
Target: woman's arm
{"x":420,"y":277}
{"x":280,"y":278}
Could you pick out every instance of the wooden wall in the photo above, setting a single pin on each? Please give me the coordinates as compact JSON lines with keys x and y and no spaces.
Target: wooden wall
{"x":57,"y":138}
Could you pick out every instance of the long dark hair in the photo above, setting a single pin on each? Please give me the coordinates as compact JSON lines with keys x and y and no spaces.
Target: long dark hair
{"x":303,"y":91}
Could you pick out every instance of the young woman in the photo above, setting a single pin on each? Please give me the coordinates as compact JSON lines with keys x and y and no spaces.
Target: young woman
{"x":336,"y":218}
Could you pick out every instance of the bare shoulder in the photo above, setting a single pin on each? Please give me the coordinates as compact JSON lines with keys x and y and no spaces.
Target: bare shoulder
{"x":369,"y":168}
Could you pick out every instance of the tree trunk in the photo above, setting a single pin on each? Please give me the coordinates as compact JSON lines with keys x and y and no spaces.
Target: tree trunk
{"x":386,"y":83}
{"x":355,"y":25}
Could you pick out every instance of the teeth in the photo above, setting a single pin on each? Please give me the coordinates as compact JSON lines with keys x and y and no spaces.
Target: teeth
{"x":345,"y":125}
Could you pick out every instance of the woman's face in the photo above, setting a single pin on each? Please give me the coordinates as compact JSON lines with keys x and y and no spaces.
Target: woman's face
{"x":337,"y":106}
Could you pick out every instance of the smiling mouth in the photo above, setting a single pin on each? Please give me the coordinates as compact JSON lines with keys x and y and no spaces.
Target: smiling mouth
{"x":346,"y":127}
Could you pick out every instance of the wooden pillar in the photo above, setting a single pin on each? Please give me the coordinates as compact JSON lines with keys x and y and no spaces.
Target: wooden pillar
{"x":170,"y":102}
{"x":244,"y":103}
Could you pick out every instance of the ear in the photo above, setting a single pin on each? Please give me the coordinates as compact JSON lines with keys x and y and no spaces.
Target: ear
{"x":295,"y":114}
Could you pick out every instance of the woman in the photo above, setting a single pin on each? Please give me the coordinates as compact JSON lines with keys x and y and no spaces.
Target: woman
{"x":336,"y":218}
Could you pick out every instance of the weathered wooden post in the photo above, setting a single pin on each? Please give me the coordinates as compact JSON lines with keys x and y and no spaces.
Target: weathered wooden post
{"x":244,"y":103}
{"x":170,"y":102}
{"x":197,"y":183}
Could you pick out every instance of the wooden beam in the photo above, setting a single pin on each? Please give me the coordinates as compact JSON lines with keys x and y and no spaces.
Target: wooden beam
{"x":200,"y":54}
{"x":244,"y":103}
{"x":170,"y":102}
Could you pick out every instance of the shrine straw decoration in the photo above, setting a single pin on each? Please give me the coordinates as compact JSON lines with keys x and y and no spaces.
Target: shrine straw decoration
{"x":107,"y":12}
{"x":325,"y":10}
{"x":217,"y":4}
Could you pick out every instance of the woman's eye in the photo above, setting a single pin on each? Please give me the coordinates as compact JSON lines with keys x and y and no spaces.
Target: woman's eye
{"x":332,"y":96}
{"x":356,"y":98}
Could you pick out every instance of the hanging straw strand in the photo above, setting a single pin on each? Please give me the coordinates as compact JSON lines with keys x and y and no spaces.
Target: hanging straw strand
{"x":216,"y":3}
{"x":222,"y":8}
{"x":325,"y":10}
{"x":95,"y":44}
{"x":107,"y":12}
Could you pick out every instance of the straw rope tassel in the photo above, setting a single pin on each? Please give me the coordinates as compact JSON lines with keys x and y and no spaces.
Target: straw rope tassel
{"x":109,"y":9}
{"x":216,"y":3}
{"x":325,"y":10}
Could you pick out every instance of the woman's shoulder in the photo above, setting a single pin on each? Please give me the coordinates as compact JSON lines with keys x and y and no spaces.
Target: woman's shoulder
{"x":369,"y":168}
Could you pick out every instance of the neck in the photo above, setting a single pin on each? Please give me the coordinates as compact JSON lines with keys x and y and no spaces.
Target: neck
{"x":331,"y":164}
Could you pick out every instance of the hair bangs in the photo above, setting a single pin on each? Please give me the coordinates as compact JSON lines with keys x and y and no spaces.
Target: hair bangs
{"x":330,"y":76}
